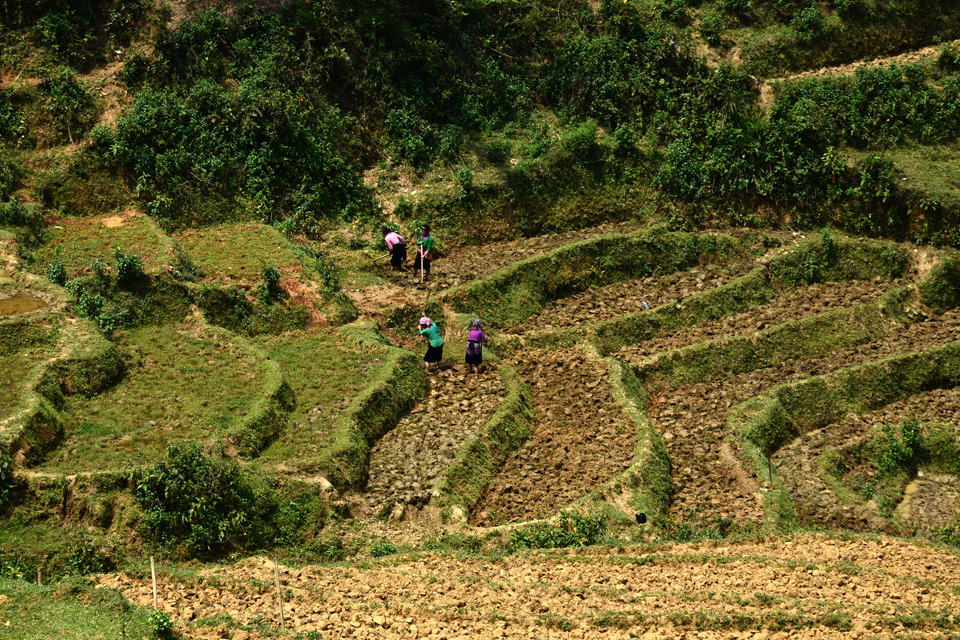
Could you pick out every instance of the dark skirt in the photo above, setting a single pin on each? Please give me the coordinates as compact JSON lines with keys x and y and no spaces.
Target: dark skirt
{"x":398,"y":255}
{"x":417,"y":261}
{"x":433,"y":354}
{"x":474,"y":352}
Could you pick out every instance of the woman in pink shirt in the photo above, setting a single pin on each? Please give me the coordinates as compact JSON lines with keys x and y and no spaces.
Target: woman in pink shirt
{"x":396,"y":247}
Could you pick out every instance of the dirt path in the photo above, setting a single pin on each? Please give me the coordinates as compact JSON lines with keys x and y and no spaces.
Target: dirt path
{"x":628,"y":297}
{"x":692,"y":420}
{"x":805,"y":586}
{"x":582,"y":439}
{"x":799,"y":467}
{"x":792,"y":304}
{"x":405,"y":463}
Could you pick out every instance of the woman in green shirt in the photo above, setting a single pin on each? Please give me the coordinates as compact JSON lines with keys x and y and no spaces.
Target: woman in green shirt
{"x":435,"y":341}
{"x":424,"y":252}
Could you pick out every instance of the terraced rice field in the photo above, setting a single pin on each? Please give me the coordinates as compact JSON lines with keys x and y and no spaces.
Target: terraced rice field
{"x":186,"y":382}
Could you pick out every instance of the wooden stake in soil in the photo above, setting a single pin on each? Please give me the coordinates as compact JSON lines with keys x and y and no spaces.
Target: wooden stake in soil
{"x":39,"y":576}
{"x":276,"y":574}
{"x":153,"y":578}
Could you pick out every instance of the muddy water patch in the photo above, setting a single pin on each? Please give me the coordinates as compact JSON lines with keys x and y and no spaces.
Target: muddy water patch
{"x":21,"y":303}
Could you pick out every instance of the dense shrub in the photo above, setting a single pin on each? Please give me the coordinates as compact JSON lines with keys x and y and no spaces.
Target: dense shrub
{"x":570,"y":530}
{"x":64,"y":109}
{"x":269,"y":289}
{"x":10,"y":174}
{"x":130,"y":267}
{"x":78,"y":33}
{"x":195,"y":151}
{"x":204,"y":503}
{"x":57,"y":272}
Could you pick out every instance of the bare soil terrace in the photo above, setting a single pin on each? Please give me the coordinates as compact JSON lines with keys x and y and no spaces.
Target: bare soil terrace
{"x":935,"y":501}
{"x":805,"y":586}
{"x":792,"y":303}
{"x":624,"y":298}
{"x":692,"y":420}
{"x":405,"y":462}
{"x":582,"y":438}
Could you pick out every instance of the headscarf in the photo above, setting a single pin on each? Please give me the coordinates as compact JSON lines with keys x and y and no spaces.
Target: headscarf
{"x":425,"y":322}
{"x":475,"y":324}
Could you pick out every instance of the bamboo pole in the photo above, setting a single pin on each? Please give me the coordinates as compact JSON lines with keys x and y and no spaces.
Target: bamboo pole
{"x":153,"y":579}
{"x":276,"y":575}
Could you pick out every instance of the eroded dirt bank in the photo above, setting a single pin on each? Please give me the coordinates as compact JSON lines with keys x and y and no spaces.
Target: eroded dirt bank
{"x":808,"y":586}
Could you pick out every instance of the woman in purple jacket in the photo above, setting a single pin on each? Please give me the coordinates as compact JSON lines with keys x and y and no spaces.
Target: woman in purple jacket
{"x":475,"y":341}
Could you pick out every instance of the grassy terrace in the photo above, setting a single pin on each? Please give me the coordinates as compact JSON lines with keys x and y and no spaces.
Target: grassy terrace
{"x":326,"y":373}
{"x":187,"y":382}
{"x":15,"y":372}
{"x":83,"y":240}
{"x":28,"y":611}
{"x":236,"y":254}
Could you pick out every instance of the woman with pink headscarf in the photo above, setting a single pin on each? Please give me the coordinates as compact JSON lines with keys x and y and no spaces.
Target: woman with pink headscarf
{"x":435,"y":349}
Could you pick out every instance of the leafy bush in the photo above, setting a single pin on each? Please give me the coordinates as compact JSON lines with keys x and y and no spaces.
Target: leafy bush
{"x":85,"y":558}
{"x":808,"y":22}
{"x":10,"y":173}
{"x":497,"y":151}
{"x":901,"y":448}
{"x":204,"y":503}
{"x":383,"y":549}
{"x":949,"y":58}
{"x":464,"y":180}
{"x":269,"y":289}
{"x":675,"y":11}
{"x":328,"y":548}
{"x":64,"y":111}
{"x":162,"y":623}
{"x":90,"y":305}
{"x":129,"y":267}
{"x":57,"y":270}
{"x":571,"y":530}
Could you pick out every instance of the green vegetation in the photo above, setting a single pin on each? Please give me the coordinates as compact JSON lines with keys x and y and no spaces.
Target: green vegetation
{"x":325,"y":371}
{"x":231,"y":254}
{"x":524,"y":288}
{"x":206,"y":504}
{"x":83,"y":241}
{"x":570,"y":530}
{"x":389,"y":393}
{"x":185,"y":383}
{"x":75,"y":611}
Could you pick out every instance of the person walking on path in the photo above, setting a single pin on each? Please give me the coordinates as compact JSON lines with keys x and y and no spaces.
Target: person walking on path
{"x":424,"y":252}
{"x":475,"y":341}
{"x":396,"y":247}
{"x":434,"y":340}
